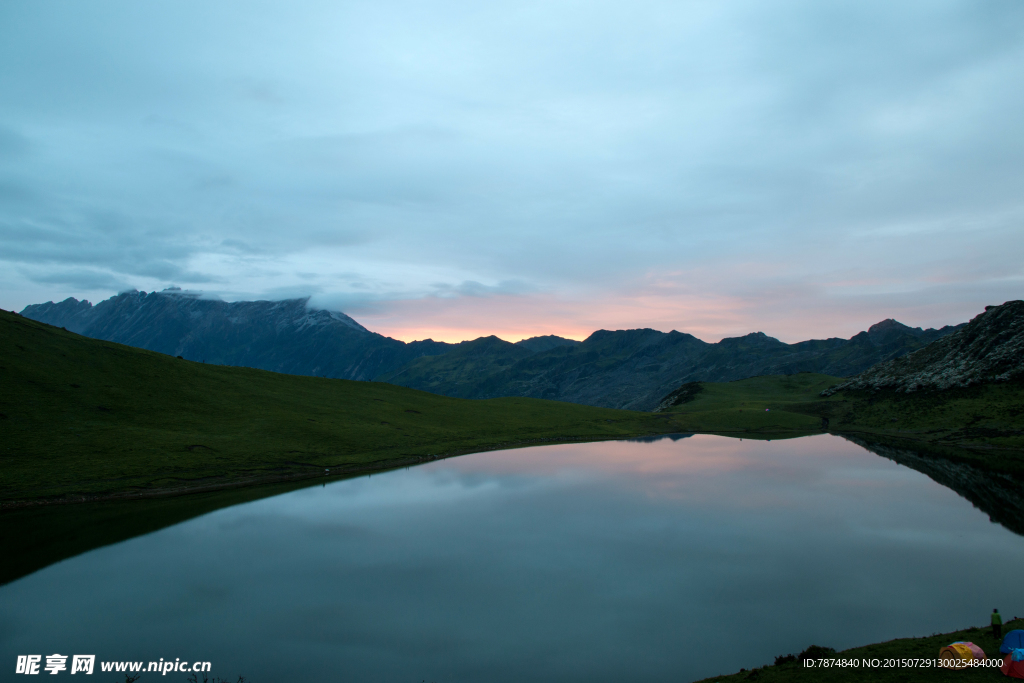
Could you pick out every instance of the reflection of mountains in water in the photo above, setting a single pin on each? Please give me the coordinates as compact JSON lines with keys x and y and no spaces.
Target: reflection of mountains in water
{"x":659,"y":437}
{"x":1000,"y":496}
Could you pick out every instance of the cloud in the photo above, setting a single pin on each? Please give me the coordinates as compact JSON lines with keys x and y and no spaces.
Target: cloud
{"x":78,"y":279}
{"x":625,"y":165}
{"x":476,"y":289}
{"x":13,"y":144}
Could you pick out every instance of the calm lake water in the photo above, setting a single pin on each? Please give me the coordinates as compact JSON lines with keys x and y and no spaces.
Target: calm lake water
{"x":639,"y":561}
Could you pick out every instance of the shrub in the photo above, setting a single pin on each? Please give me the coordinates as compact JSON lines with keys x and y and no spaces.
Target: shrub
{"x":816,"y":652}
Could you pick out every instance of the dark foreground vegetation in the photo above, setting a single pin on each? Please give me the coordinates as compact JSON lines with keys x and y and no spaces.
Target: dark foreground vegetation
{"x":84,"y":419}
{"x":787,"y":669}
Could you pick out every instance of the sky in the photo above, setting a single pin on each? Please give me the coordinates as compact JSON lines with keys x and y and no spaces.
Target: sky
{"x":456,"y":169}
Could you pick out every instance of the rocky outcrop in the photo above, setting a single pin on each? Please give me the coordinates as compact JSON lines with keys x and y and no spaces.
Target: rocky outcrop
{"x":990,"y":348}
{"x":684,"y":394}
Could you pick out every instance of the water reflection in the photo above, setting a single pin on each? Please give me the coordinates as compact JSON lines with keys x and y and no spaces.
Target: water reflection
{"x":1000,"y":496}
{"x":608,"y":561}
{"x":659,"y":437}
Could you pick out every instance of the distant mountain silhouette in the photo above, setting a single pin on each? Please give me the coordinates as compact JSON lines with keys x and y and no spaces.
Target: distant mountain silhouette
{"x":618,"y":369}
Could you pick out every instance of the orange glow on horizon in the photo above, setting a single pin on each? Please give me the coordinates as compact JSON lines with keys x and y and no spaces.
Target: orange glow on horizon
{"x":513,"y":318}
{"x":516,"y":318}
{"x":710,"y":305}
{"x":792,"y":313}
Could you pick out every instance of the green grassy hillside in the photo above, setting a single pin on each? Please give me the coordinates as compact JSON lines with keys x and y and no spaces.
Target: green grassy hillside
{"x":86,"y":418}
{"x":981,"y":415}
{"x":759,"y":405}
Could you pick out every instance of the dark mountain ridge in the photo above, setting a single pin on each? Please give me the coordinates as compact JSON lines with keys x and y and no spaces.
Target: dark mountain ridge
{"x":635,"y":369}
{"x":620,"y":369}
{"x":282,"y":336}
{"x":545,"y":343}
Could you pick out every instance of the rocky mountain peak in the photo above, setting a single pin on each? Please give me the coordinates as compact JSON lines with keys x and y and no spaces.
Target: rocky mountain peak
{"x":890,"y":325}
{"x":990,"y":348}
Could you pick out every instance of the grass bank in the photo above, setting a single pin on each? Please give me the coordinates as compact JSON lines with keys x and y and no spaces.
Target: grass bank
{"x":759,"y":405}
{"x":84,"y":419}
{"x":903,"y":648}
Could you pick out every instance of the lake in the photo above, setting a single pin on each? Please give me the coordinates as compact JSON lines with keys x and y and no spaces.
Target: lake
{"x":670,"y":559}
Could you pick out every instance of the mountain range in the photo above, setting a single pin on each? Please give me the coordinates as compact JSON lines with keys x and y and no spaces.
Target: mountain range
{"x":617,"y":369}
{"x":635,"y":369}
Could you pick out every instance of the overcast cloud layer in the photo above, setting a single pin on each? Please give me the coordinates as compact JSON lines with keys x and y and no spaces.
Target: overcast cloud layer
{"x":453,"y":169}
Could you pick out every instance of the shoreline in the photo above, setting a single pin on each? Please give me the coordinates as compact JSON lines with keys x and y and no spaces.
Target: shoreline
{"x":309,"y":471}
{"x":337,"y":472}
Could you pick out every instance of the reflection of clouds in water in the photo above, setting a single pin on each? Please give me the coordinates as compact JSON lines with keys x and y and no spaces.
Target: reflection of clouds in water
{"x":711,"y":458}
{"x":402,"y":489}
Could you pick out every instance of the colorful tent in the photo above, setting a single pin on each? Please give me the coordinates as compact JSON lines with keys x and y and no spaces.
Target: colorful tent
{"x":1013,"y":664}
{"x":1013,"y":640}
{"x":978,"y":653}
{"x":957,"y":655}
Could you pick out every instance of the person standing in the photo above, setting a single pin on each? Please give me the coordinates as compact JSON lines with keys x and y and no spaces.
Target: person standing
{"x":997,"y":624}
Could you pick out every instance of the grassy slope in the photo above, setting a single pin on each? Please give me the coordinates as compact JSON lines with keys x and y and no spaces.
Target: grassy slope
{"x":991,"y":414}
{"x":80,"y":416}
{"x":925,"y":648}
{"x":758,"y":405}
